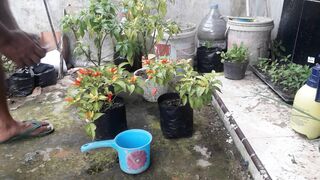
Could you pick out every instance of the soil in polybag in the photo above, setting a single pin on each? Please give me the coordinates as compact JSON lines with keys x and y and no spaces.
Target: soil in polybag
{"x":176,"y":120}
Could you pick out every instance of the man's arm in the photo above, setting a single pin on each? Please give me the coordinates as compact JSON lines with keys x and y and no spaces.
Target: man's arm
{"x":6,"y":16}
{"x":16,"y":44}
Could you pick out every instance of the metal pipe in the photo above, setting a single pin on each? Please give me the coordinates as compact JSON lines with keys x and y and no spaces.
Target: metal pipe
{"x":60,"y":72}
{"x":248,"y":7}
{"x":255,"y":159}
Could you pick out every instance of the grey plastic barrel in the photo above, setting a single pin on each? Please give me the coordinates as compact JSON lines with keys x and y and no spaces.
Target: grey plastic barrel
{"x":254,"y":33}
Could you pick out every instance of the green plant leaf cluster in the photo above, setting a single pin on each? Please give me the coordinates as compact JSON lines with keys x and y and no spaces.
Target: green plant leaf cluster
{"x":192,"y":87}
{"x":95,"y":90}
{"x":237,"y":54}
{"x":97,"y":22}
{"x":160,"y":71}
{"x":285,"y":73}
{"x":144,"y":21}
{"x":277,"y":50}
{"x":196,"y":89}
{"x":8,"y":65}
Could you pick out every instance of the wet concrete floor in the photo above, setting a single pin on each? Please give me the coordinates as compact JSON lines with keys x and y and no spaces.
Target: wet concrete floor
{"x":208,"y":154}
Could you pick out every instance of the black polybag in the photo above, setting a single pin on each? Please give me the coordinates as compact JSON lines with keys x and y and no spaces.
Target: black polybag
{"x":21,"y":83}
{"x":45,"y":75}
{"x":112,"y":122}
{"x":175,"y":121}
{"x":208,"y":59}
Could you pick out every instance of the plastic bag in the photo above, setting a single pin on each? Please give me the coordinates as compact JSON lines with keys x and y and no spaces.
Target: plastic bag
{"x":45,"y":75}
{"x":112,"y":122}
{"x":176,"y":121}
{"x":208,"y":60}
{"x":21,"y":83}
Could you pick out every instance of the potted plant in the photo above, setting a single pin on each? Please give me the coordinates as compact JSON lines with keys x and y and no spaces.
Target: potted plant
{"x":235,"y":62}
{"x":95,"y":94}
{"x":192,"y":92}
{"x":282,"y":75}
{"x":96,"y":22}
{"x":143,"y":25}
{"x":156,"y":74}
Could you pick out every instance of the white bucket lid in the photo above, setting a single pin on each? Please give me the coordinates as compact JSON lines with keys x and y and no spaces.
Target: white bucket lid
{"x":250,"y":23}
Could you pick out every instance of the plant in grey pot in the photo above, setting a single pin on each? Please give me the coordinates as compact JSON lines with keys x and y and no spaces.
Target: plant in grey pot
{"x":235,"y":62}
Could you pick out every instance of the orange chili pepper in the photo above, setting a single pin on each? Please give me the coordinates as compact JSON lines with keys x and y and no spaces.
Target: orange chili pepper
{"x":114,"y":78}
{"x":77,"y":82}
{"x":133,"y":79}
{"x":68,"y":99}
{"x":96,"y":74}
{"x":150,"y":71}
{"x":113,"y":70}
{"x":89,"y":115}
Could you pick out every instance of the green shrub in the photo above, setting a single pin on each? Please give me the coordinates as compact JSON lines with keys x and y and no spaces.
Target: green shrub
{"x":237,"y":54}
{"x":285,"y":73}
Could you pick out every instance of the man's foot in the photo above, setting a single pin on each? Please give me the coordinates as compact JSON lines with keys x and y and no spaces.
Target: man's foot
{"x":25,"y":129}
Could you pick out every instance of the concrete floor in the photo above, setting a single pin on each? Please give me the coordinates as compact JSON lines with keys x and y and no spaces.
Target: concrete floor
{"x":208,"y":154}
{"x":265,"y":123}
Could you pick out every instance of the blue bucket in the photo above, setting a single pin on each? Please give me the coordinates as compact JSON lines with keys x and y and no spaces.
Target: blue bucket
{"x":133,"y":147}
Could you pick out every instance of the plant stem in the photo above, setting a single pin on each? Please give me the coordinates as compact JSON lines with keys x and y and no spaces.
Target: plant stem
{"x":87,"y":54}
{"x":145,"y":45}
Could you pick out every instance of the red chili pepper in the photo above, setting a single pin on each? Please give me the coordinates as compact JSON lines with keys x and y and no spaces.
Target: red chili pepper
{"x":113,"y":70}
{"x":109,"y":97}
{"x":96,"y":74}
{"x":154,"y":91}
{"x":77,"y":82}
{"x":146,"y":62}
{"x":164,"y":61}
{"x":83,"y":71}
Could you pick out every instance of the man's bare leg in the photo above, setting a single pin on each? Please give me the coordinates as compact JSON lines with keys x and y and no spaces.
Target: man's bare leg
{"x":8,"y":126}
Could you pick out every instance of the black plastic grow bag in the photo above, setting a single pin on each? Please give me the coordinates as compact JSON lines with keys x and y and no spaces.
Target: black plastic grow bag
{"x":208,"y":60}
{"x":45,"y":75}
{"x":176,"y":121}
{"x":21,"y":83}
{"x":112,"y":122}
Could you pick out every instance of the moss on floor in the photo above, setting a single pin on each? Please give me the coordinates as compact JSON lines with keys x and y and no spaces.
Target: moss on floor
{"x":206,"y":155}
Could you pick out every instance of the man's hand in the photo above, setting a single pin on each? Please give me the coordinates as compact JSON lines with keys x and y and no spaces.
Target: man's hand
{"x":22,"y":49}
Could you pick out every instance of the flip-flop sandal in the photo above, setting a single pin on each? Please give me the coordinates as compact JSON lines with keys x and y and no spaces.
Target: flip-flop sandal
{"x":28,"y":132}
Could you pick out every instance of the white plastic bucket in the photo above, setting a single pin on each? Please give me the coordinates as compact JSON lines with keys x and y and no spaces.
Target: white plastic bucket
{"x":180,"y":46}
{"x":254,"y":33}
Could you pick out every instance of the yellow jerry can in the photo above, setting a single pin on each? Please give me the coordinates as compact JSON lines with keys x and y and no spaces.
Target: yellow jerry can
{"x":305,"y":117}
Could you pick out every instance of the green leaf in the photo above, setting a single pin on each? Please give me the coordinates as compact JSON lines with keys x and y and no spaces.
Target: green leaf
{"x":121,"y":84}
{"x":91,"y":130}
{"x":184,"y":100}
{"x":200,"y":91}
{"x":131,"y":88}
{"x":139,"y":90}
{"x":97,"y":115}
